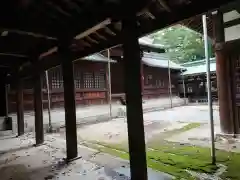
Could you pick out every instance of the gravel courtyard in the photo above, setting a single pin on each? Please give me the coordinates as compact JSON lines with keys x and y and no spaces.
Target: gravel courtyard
{"x":177,"y":143}
{"x":155,"y":124}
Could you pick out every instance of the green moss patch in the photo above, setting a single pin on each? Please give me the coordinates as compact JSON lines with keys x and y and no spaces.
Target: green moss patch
{"x":174,"y":159}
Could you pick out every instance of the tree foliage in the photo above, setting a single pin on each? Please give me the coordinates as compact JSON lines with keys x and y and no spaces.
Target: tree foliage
{"x":183,"y":44}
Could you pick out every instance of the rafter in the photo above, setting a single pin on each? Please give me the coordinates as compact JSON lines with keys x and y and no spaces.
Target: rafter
{"x":99,"y":35}
{"x":91,"y":40}
{"x":149,"y":14}
{"x":80,"y":36}
{"x":59,"y":9}
{"x":93,"y":29}
{"x":36,"y":35}
{"x":163,"y":19}
{"x":179,"y":14}
{"x":109,"y":31}
{"x":13,"y":55}
{"x":72,"y":6}
{"x":11,"y":61}
{"x":84,"y":43}
{"x":53,"y":59}
{"x":165,"y":5}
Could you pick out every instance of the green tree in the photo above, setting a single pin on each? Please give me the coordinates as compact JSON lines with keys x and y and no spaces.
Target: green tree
{"x":182,"y":43}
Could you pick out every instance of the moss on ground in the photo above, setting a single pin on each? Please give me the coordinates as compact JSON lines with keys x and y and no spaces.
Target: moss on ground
{"x":175,"y":158}
{"x":183,"y":129}
{"x":157,"y":139}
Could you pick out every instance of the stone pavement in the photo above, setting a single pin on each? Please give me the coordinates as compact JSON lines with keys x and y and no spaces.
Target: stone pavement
{"x":20,"y":160}
{"x":92,"y":114}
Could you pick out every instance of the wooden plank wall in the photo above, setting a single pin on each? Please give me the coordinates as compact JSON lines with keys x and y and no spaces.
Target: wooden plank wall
{"x":85,"y":93}
{"x":155,"y":85}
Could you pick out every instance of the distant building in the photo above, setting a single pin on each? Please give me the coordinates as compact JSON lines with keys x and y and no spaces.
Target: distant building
{"x":155,"y":81}
{"x":90,"y":84}
{"x":91,"y":79}
{"x":195,"y":79}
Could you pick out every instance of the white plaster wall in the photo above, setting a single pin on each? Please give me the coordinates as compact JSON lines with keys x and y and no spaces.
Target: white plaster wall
{"x":232,"y":33}
{"x":229,"y":16}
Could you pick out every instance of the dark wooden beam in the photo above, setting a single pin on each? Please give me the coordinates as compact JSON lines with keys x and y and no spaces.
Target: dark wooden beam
{"x":16,"y":44}
{"x":35,"y":18}
{"x":232,"y":23}
{"x":106,"y":76}
{"x":53,"y":60}
{"x":3,"y":98}
{"x":218,"y":31}
{"x":19,"y":107}
{"x":52,"y":16}
{"x":73,"y":6}
{"x":165,"y":5}
{"x":100,"y":12}
{"x":21,"y":57}
{"x":38,"y":108}
{"x":231,"y":6}
{"x":10,"y":60}
{"x":35,"y":35}
{"x":133,"y":91}
{"x":69,"y":102}
{"x":179,"y":14}
{"x":223,"y":81}
{"x":7,"y":21}
{"x":57,"y":8}
{"x":16,"y":19}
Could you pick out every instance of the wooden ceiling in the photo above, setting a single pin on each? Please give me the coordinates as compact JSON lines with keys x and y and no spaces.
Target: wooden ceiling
{"x":30,"y":27}
{"x":195,"y":22}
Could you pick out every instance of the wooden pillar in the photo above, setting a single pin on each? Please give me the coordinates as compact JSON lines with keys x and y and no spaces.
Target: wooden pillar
{"x":50,"y":87}
{"x":107,"y":94}
{"x":133,"y":90}
{"x":20,"y":110}
{"x":223,"y":80}
{"x":142,"y":75}
{"x":69,"y":102}
{"x":3,"y":99}
{"x":38,"y":108}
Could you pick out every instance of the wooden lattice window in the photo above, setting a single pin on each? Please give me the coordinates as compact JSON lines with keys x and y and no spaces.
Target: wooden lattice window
{"x":238,"y":88}
{"x":88,"y":80}
{"x":77,"y":74}
{"x":214,"y":86}
{"x":44,"y":82}
{"x":57,"y":79}
{"x":189,"y":89}
{"x":99,"y":81}
{"x":160,"y":83}
{"x":238,"y":63}
{"x":149,"y":80}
